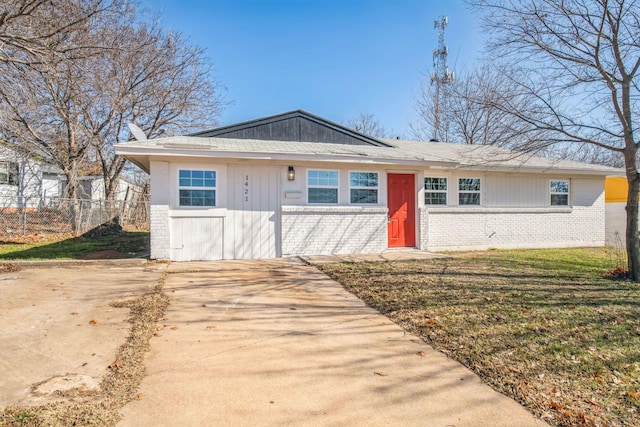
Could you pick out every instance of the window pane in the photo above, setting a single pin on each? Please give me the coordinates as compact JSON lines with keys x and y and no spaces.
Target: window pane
{"x":364,"y":196}
{"x":323,"y":195}
{"x":363,"y":179}
{"x":559,"y":200}
{"x":469,"y":198}
{"x":197,"y":197}
{"x":194,"y":178}
{"x":469,"y":184}
{"x":435,"y":198}
{"x":435,"y":184}
{"x":560,"y":186}
{"x":323,"y":178}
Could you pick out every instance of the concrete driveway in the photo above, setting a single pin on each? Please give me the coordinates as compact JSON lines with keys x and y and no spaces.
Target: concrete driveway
{"x":277,"y":343}
{"x":58,"y":329}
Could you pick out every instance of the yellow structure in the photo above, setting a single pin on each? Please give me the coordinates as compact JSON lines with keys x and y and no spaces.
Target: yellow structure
{"x":615,"y":189}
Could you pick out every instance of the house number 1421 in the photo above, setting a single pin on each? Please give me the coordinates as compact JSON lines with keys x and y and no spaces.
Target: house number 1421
{"x":246,"y":188}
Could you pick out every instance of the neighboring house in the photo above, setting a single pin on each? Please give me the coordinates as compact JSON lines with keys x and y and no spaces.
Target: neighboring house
{"x":53,"y":182}
{"x":25,"y":182}
{"x":297,"y":184}
{"x":92,"y":188}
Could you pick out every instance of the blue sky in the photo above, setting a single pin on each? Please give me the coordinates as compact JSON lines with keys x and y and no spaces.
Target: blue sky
{"x":333,"y":58}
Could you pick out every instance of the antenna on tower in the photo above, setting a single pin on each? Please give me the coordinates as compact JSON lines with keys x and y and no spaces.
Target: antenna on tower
{"x":441,"y":75}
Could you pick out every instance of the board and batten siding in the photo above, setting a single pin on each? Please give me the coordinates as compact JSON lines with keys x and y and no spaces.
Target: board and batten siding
{"x":253,"y":215}
{"x":196,"y":238}
{"x":244,"y":224}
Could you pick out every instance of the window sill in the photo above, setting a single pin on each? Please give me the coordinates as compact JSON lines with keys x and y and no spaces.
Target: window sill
{"x":496,"y":210}
{"x":335,"y":209}
{"x":195,"y":211}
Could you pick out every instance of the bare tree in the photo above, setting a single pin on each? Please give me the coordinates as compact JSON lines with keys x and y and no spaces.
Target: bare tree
{"x":31,"y":29}
{"x":367,"y":124}
{"x":71,"y":108}
{"x":469,"y":114}
{"x":432,"y":106}
{"x":157,"y":80}
{"x":579,"y":63}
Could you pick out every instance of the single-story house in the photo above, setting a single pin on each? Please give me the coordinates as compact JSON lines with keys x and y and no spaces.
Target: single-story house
{"x":298,"y":184}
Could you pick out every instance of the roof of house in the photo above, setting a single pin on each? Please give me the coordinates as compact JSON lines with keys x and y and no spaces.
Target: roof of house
{"x":396,"y":152}
{"x":297,"y":125}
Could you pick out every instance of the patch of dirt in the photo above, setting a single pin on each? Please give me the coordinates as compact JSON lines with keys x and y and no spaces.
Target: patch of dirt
{"x":9,"y":268}
{"x":70,"y":385}
{"x":103,"y":254}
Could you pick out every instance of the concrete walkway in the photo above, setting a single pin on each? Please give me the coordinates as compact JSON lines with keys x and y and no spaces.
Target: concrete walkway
{"x":404,"y":254}
{"x":277,"y":343}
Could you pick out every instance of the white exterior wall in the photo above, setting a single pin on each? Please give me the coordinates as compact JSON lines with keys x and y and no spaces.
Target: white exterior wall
{"x":323,"y":230}
{"x":27,"y":192}
{"x":333,"y":229}
{"x":276,"y":220}
{"x":483,"y":227}
{"x":616,"y":223}
{"x":159,"y":212}
{"x":123,"y":189}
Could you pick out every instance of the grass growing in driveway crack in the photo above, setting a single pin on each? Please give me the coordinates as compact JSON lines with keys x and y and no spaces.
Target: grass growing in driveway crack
{"x":543,"y":326}
{"x":118,"y":387}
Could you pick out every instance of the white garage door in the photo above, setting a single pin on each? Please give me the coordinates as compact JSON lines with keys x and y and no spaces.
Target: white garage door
{"x":252,"y":226}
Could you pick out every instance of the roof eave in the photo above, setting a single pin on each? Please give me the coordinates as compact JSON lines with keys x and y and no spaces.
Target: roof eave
{"x":549,"y":170}
{"x":135,"y":154}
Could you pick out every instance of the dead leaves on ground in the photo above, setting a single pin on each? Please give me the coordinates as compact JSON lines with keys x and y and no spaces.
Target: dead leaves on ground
{"x":564,"y":345}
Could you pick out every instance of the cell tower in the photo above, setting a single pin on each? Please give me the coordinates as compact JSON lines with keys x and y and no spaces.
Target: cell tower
{"x":441,"y":75}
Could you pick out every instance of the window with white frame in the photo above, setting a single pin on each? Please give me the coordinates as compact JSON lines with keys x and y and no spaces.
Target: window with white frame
{"x":4,"y":173}
{"x":197,"y":187}
{"x":9,"y":173}
{"x":469,"y":191}
{"x":363,"y":187}
{"x":559,"y":190}
{"x":435,"y":191}
{"x":322,"y":186}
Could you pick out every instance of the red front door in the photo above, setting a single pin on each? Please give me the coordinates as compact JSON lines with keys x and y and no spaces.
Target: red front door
{"x":402,"y":210}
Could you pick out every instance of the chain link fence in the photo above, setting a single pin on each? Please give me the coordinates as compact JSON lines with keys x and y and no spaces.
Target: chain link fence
{"x":73,"y":216}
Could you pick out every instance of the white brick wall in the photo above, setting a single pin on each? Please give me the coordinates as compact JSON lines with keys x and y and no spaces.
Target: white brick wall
{"x":160,"y":232}
{"x":582,"y":224}
{"x":327,"y":230}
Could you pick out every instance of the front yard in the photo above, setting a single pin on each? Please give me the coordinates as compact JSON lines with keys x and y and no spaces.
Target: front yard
{"x":543,"y":326}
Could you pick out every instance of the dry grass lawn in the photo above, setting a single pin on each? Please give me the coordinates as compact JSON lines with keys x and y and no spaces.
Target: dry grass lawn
{"x":543,"y":326}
